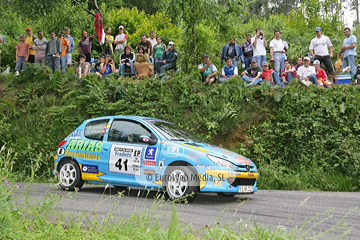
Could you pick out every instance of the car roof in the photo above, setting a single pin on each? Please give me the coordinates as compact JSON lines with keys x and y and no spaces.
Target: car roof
{"x":123,"y":116}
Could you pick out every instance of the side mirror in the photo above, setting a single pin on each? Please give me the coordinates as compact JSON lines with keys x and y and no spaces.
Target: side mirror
{"x":147,"y":140}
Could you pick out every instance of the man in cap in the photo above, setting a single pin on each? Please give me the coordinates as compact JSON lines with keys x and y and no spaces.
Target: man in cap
{"x":269,"y":75}
{"x":168,"y":61}
{"x":208,"y":71}
{"x":30,"y":40}
{"x":319,"y":50}
{"x":252,"y":75}
{"x":349,"y":49}
{"x":307,"y":73}
{"x":120,"y":40}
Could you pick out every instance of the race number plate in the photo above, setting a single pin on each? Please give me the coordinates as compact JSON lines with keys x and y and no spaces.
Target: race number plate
{"x":125,"y":159}
{"x":246,"y":189}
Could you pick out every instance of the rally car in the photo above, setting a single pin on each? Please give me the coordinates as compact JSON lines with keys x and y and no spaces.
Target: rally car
{"x":148,"y":153}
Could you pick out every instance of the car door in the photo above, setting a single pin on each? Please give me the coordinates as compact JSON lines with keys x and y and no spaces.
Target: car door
{"x":128,"y":154}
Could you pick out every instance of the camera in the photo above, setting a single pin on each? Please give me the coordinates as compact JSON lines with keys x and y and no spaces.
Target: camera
{"x":261,"y":33}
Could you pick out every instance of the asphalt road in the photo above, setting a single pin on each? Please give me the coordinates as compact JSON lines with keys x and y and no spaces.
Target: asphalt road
{"x":324,"y":215}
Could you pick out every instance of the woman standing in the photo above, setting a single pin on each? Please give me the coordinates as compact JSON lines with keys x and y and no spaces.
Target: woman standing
{"x":158,"y":50}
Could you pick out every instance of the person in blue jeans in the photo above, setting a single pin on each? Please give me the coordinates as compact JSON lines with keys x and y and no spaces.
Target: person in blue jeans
{"x":307,"y":73}
{"x":349,"y":49}
{"x":252,"y":75}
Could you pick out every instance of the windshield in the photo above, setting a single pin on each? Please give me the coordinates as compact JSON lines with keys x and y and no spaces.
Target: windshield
{"x":173,"y":132}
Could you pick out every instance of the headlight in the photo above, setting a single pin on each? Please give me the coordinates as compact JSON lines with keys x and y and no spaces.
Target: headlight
{"x":221,"y":162}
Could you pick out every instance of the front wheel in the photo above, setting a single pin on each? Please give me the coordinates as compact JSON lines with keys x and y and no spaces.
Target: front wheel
{"x":181,"y":183}
{"x":70,"y":175}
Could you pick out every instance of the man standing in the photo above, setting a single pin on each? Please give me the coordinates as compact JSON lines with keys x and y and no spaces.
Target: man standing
{"x":53,"y":51}
{"x":307,"y":72}
{"x":40,"y":47}
{"x":228,"y":71}
{"x":319,"y":50}
{"x":84,"y":45}
{"x":252,"y":75}
{"x":146,"y":44}
{"x":349,"y":49}
{"x":259,"y":43}
{"x":71,"y":47}
{"x":248,"y":51}
{"x":120,"y":40}
{"x":233,"y":51}
{"x":65,"y":47}
{"x":168,"y":60}
{"x":152,"y":39}
{"x":277,"y":52}
{"x":30,"y":40}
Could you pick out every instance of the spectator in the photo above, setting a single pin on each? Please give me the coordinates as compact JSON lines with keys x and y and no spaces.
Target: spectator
{"x":248,"y":51}
{"x":109,"y":42}
{"x":53,"y":51}
{"x":252,"y":75}
{"x":349,"y":49}
{"x":71,"y":47}
{"x":228,"y":71}
{"x":233,"y":51}
{"x":208,"y":71}
{"x":2,"y":37}
{"x":82,"y":67}
{"x":259,"y":43}
{"x":106,"y":66}
{"x":339,"y":63}
{"x":288,"y":73}
{"x":270,"y":76}
{"x":65,"y":47}
{"x":22,"y":54}
{"x":40,"y":47}
{"x":30,"y":40}
{"x":168,"y":61}
{"x":84,"y":45}
{"x":120,"y":40}
{"x":158,"y":50}
{"x":127,"y":61}
{"x":307,"y":73}
{"x":142,"y":65}
{"x":277,"y":52}
{"x":319,"y":49}
{"x":299,"y":63}
{"x":152,"y":38}
{"x":146,"y":44}
{"x":320,"y":74}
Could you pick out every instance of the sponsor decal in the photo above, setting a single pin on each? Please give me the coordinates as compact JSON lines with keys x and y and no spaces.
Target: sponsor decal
{"x":149,"y":162}
{"x":149,"y":171}
{"x":218,"y":182}
{"x":172,"y":151}
{"x":85,"y":145}
{"x":150,"y":153}
{"x":234,"y":173}
{"x":76,"y":133}
{"x":161,"y":164}
{"x":90,"y":169}
{"x":203,"y":166}
{"x":60,"y":151}
{"x":82,"y":155}
{"x":242,"y":160}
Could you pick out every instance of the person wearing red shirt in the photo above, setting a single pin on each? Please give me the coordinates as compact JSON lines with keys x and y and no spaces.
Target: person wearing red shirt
{"x":271,"y":76}
{"x":288,"y":73}
{"x":320,"y":74}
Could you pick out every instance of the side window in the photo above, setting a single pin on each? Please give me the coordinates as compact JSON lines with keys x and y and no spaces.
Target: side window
{"x":96,"y":129}
{"x":127,"y":131}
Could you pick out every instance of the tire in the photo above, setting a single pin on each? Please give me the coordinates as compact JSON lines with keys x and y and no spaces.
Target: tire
{"x":70,"y":175}
{"x":178,"y":183}
{"x":225,"y":194}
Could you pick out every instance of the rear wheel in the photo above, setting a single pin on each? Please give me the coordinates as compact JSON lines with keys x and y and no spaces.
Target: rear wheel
{"x":180,"y":185}
{"x":70,"y":175}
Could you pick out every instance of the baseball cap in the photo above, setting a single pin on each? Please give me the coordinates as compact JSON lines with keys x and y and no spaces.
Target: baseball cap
{"x":265,"y":64}
{"x":206,"y":55}
{"x":254,"y":60}
{"x":171,"y":43}
{"x":121,"y":27}
{"x":306,"y":58}
{"x":28,"y":28}
{"x":316,"y":62}
{"x":318,"y":29}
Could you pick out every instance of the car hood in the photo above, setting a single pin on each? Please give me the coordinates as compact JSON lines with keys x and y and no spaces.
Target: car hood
{"x":216,"y":151}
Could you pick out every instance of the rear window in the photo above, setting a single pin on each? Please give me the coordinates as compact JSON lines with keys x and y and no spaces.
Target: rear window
{"x":96,"y":129}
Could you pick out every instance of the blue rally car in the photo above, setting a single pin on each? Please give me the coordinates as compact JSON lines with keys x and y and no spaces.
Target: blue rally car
{"x":148,"y":153}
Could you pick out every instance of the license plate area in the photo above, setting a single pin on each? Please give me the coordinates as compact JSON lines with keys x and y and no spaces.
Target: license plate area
{"x":246,"y":189}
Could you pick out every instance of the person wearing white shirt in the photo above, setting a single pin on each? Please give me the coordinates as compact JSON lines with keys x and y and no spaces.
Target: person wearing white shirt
{"x":319,"y":49}
{"x":277,"y":52}
{"x":307,"y":72}
{"x":259,"y":43}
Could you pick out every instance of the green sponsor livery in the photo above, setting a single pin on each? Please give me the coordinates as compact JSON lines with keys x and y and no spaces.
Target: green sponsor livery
{"x":85,"y":145}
